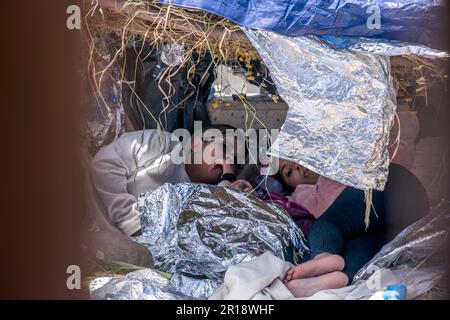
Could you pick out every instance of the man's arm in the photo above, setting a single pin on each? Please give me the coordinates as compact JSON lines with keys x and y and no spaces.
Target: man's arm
{"x":115,"y":163}
{"x":109,"y":177}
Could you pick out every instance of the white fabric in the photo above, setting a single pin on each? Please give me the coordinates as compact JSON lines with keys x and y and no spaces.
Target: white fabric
{"x":360,"y":291}
{"x":259,"y":279}
{"x":134,"y":163}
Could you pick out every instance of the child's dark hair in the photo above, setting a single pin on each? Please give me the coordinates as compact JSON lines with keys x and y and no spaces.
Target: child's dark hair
{"x":286,"y":189}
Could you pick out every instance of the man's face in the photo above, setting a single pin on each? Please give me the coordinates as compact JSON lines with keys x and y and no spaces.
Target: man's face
{"x":216,"y":155}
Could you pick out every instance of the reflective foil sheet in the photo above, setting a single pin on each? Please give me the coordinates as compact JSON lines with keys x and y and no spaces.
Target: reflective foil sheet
{"x":397,"y":49}
{"x":420,"y":247}
{"x":384,"y":47}
{"x":143,"y":284}
{"x":416,"y":258}
{"x":195,"y":232}
{"x":341,"y":107}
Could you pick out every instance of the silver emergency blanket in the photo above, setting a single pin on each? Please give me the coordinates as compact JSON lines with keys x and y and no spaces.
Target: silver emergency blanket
{"x":397,"y":49}
{"x":384,"y":47}
{"x":145,"y":284}
{"x":195,"y":232}
{"x":415,"y":258}
{"x":341,"y":107}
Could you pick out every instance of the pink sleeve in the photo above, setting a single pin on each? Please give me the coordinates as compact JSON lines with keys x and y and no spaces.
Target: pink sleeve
{"x":318,"y":197}
{"x":307,"y":195}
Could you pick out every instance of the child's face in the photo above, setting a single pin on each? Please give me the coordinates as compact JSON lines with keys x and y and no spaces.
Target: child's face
{"x":294,"y":174}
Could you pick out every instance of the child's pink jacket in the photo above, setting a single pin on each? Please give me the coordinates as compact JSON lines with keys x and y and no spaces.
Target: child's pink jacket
{"x":317,"y":198}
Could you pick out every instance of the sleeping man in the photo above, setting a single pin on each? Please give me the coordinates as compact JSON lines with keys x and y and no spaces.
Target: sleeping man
{"x":142,"y":161}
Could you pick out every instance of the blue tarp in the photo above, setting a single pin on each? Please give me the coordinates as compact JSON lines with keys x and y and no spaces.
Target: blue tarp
{"x":416,"y":21}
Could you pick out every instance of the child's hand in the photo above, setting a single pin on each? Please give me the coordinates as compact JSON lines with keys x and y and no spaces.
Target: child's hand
{"x":227,"y":165}
{"x":242,"y":185}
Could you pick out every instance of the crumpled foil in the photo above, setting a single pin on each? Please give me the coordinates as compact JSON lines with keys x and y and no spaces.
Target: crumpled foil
{"x":195,"y":232}
{"x":384,"y":47}
{"x":341,"y":107}
{"x":416,"y":257}
{"x":148,"y":284}
{"x":104,"y":111}
{"x":419,"y":247}
{"x":172,"y":54}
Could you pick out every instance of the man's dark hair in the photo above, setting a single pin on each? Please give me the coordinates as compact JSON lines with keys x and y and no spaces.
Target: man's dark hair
{"x":221,"y":127}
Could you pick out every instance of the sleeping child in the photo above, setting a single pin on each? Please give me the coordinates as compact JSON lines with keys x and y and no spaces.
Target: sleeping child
{"x":340,"y":244}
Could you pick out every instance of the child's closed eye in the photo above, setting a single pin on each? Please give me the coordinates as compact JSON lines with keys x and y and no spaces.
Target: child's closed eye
{"x":288,"y":172}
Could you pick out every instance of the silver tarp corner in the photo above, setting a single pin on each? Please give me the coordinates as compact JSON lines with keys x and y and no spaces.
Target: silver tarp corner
{"x":341,"y":107}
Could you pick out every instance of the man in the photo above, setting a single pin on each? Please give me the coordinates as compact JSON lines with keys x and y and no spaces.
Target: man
{"x":141,"y":161}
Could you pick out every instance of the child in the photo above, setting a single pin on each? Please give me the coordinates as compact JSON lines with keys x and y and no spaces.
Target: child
{"x":317,"y":193}
{"x":340,"y":244}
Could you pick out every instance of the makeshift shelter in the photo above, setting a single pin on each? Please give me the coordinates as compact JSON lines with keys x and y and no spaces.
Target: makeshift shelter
{"x":152,"y":64}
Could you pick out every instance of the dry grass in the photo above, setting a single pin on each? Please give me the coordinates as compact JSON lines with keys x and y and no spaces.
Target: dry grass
{"x":415,"y":75}
{"x":111,"y":29}
{"x":115,"y":269}
{"x":199,"y":32}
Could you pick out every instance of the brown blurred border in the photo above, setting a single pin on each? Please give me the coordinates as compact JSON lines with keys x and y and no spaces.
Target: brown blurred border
{"x":446,"y":39}
{"x":41,"y":185}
